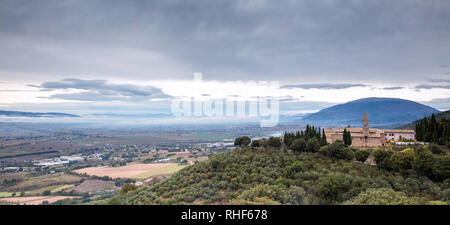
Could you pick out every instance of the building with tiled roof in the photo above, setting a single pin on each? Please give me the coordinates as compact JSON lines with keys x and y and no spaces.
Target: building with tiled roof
{"x":370,"y":137}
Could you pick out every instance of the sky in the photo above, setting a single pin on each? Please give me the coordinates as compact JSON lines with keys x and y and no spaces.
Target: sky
{"x":95,"y":56}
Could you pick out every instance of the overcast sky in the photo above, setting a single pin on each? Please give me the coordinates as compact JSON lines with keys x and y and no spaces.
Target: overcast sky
{"x":94,"y":56}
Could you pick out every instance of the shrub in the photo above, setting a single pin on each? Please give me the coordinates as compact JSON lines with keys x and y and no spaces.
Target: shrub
{"x":337,"y":151}
{"x":114,"y":201}
{"x":435,"y":149}
{"x":382,"y":158}
{"x":402,"y":160}
{"x":362,"y":155}
{"x":382,"y":196}
{"x":127,"y":188}
{"x":298,"y":145}
{"x":441,"y":168}
{"x":274,"y":142}
{"x":256,"y":144}
{"x":312,"y":145}
{"x":270,"y":193}
{"x":332,"y":186}
{"x":242,"y":141}
{"x":424,"y":162}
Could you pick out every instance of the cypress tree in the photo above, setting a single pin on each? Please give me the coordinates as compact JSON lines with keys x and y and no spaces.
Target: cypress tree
{"x":345,"y":136}
{"x":324,"y":137}
{"x":349,"y":138}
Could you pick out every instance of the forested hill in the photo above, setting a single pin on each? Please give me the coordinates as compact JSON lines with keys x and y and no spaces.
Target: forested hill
{"x":276,"y":176}
{"x":445,"y":114}
{"x":382,"y":112}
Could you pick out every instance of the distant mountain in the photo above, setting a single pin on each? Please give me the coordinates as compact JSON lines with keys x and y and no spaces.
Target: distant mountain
{"x":382,"y":112}
{"x":34,"y":114}
{"x":445,"y":114}
{"x":121,"y":115}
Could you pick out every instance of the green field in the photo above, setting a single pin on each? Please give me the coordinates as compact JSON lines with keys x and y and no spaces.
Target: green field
{"x":63,"y":187}
{"x":6,"y":194}
{"x":35,"y":185}
{"x":164,"y":170}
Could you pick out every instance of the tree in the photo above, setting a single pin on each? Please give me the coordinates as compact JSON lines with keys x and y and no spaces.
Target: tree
{"x":433,"y":130}
{"x":424,"y":163}
{"x":274,"y":142}
{"x":309,"y":133}
{"x":337,"y":151}
{"x":323,"y":139}
{"x":441,"y":168}
{"x":256,"y":144}
{"x":46,"y":193}
{"x":382,"y":158}
{"x":347,"y":137}
{"x":114,"y":201}
{"x":435,"y":149}
{"x":127,"y":188}
{"x":332,"y":186}
{"x":242,"y":141}
{"x":344,"y":137}
{"x":403,"y":160}
{"x":288,"y":138}
{"x":362,"y":155}
{"x":381,"y":196}
{"x":299,"y":145}
{"x":312,"y":145}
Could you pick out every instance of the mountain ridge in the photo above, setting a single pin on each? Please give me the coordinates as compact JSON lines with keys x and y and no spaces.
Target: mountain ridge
{"x":382,"y":112}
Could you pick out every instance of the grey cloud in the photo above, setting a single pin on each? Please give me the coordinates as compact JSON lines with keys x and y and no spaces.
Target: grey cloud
{"x":439,"y":80}
{"x":439,"y":103}
{"x":322,"y":86}
{"x":17,"y":90}
{"x":392,"y":88}
{"x":431,"y":86}
{"x":100,"y":90}
{"x":304,"y":105}
{"x":227,"y":39}
{"x":288,"y":99}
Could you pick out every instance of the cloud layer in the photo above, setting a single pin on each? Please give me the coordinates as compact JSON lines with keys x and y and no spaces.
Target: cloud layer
{"x":322,"y":52}
{"x":302,"y":41}
{"x":100,"y":90}
{"x":322,"y":86}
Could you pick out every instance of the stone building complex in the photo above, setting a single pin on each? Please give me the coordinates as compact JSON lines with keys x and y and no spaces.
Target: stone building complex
{"x":369,"y":137}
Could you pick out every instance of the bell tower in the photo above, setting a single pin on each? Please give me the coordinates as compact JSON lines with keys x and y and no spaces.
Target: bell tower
{"x":365,"y":123}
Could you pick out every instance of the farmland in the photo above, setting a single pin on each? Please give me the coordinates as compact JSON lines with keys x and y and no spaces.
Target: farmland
{"x":94,"y":185}
{"x":35,"y":200}
{"x":52,"y":182}
{"x":162,"y":170}
{"x":131,"y":171}
{"x":93,"y":164}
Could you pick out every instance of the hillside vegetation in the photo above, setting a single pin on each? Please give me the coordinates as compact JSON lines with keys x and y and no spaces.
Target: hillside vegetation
{"x":265,"y":175}
{"x":439,"y":116}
